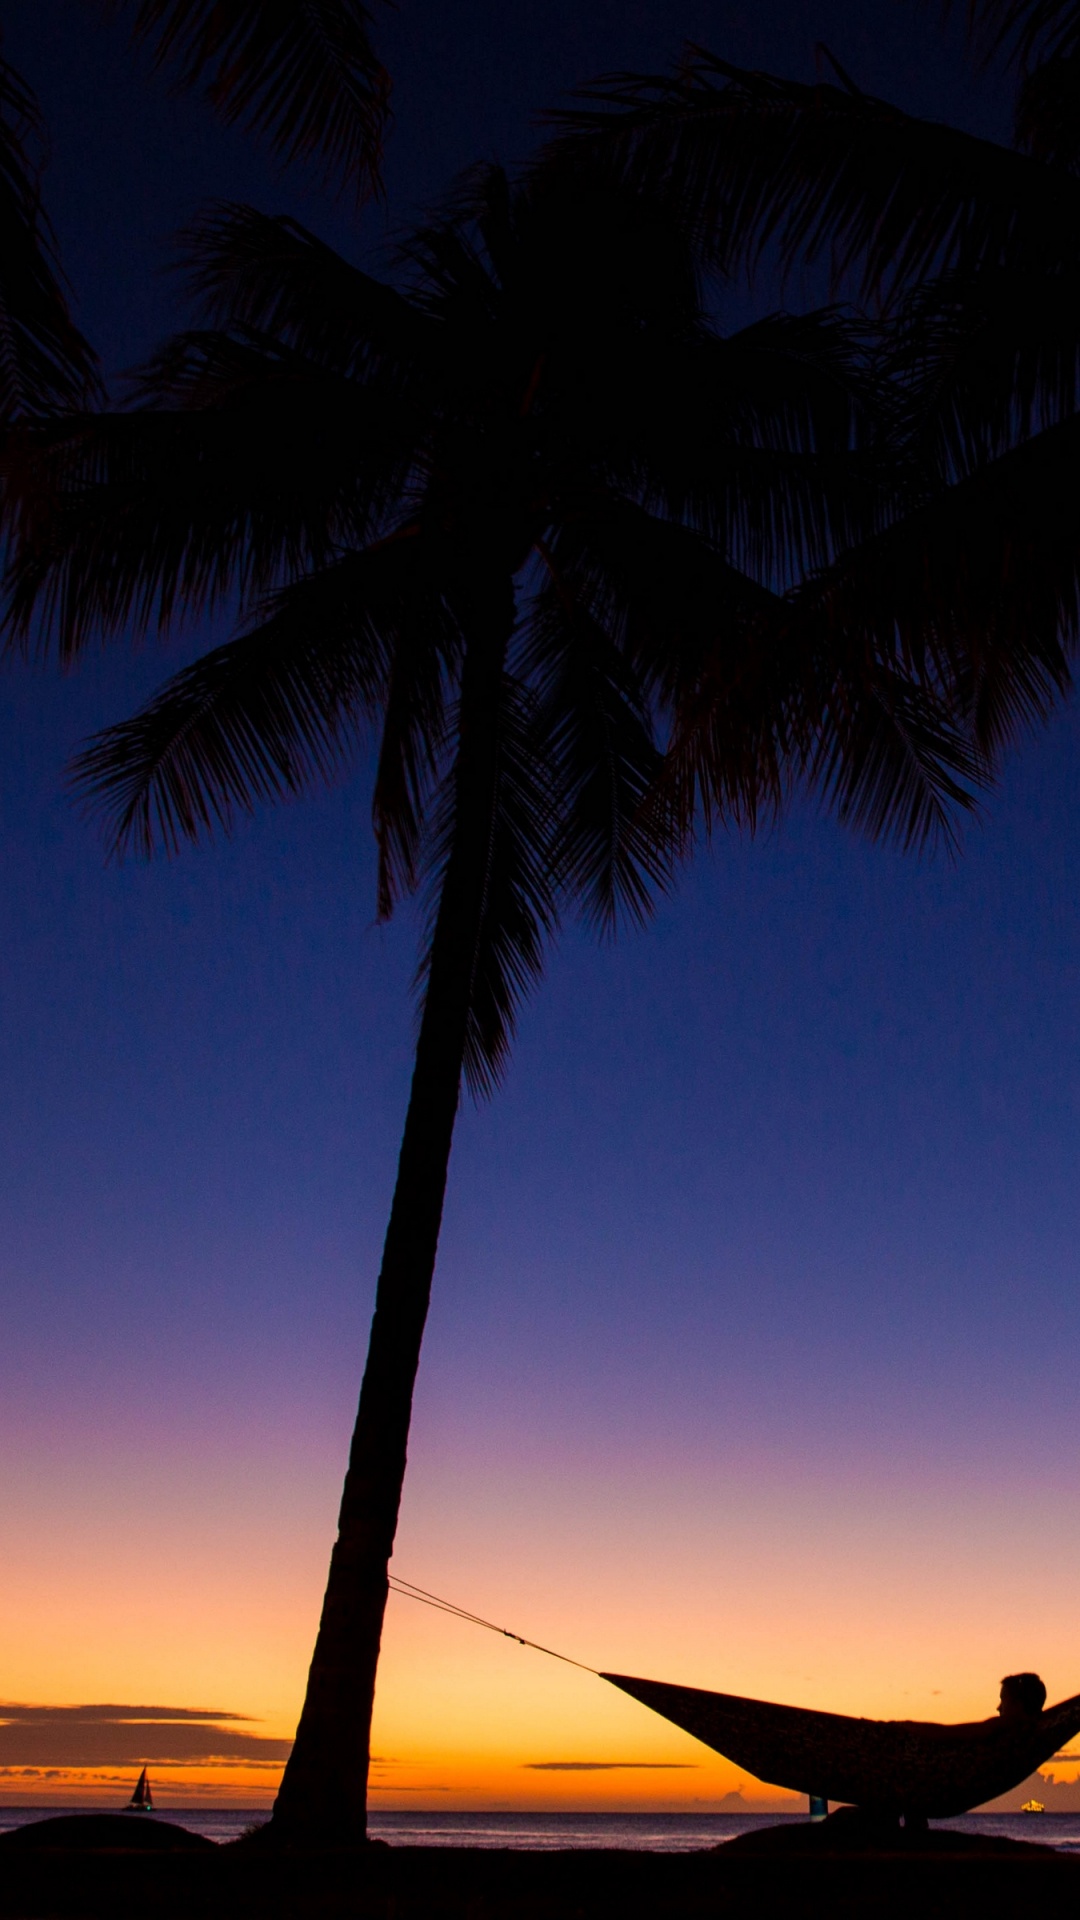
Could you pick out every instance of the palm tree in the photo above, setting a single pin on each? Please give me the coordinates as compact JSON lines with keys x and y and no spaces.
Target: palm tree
{"x":509,"y":518}
{"x":970,"y":253}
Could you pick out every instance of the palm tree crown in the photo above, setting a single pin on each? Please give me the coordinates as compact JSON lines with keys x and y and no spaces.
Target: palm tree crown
{"x":546,"y":407}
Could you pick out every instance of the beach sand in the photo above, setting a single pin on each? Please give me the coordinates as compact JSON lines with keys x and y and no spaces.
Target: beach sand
{"x":948,"y":1877}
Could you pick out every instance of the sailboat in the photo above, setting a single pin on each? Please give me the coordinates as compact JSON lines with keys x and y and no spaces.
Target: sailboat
{"x":142,"y":1800}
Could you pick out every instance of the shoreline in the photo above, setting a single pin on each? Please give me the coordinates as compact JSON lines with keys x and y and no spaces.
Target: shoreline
{"x":952,"y":1877}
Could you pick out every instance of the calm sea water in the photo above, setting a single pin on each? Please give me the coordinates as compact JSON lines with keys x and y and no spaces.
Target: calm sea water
{"x":652,"y":1832}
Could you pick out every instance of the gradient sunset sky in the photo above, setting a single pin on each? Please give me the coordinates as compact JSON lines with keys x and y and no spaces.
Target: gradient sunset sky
{"x":753,"y":1353}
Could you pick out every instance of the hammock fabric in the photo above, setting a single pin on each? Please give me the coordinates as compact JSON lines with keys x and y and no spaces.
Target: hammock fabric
{"x":890,"y":1766}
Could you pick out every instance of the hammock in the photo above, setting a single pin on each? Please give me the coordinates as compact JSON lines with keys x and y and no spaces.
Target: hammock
{"x":888,"y":1766}
{"x":892,"y":1766}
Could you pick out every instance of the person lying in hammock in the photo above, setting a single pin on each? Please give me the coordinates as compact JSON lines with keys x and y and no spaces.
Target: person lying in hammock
{"x":915,"y":1768}
{"x":1023,"y":1697}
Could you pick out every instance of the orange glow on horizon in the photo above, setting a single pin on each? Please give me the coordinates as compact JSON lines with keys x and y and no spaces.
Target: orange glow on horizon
{"x":862,"y":1595}
{"x":468,"y":1721}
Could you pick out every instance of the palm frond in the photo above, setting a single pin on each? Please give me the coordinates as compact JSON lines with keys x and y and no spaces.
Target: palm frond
{"x":304,"y":74}
{"x":613,"y":853}
{"x":698,"y":634}
{"x":267,"y":273}
{"x":659,"y":588}
{"x":818,"y":171}
{"x":140,"y":520}
{"x":1047,"y":112}
{"x":879,"y":729}
{"x":1030,"y":31}
{"x":519,"y":913}
{"x":892,"y":761}
{"x":765,"y":442}
{"x":1042,"y":39}
{"x":266,"y":715}
{"x":975,"y":596}
{"x":737,"y":736}
{"x":802,"y":379}
{"x":46,"y":366}
{"x":977,"y":362}
{"x":783,"y":699}
{"x":414,"y":738}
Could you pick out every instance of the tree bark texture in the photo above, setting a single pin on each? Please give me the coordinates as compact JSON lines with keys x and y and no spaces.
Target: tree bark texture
{"x":323,"y":1794}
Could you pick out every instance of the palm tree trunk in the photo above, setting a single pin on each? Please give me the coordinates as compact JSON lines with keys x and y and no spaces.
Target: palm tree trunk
{"x":323,"y":1794}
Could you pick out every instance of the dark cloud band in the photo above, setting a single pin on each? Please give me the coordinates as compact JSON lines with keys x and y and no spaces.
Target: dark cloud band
{"x":126,"y":1736}
{"x":610,"y":1766}
{"x":11,"y":1715}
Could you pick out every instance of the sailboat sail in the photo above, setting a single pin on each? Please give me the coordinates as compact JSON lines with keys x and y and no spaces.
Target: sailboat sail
{"x":142,"y":1800}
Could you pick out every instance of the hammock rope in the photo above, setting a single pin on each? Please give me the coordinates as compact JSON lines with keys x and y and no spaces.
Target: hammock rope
{"x":408,"y":1592}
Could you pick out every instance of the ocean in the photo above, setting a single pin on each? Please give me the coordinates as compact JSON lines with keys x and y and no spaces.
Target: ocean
{"x":547,"y":1832}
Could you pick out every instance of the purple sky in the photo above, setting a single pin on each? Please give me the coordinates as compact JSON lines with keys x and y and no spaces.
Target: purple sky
{"x":785,"y":1187}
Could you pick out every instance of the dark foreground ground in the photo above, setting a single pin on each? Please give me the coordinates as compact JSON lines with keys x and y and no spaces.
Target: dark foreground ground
{"x":804,"y":1873}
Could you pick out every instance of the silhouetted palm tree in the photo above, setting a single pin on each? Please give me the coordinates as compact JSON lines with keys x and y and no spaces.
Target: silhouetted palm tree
{"x":509,"y":518}
{"x":970,"y":252}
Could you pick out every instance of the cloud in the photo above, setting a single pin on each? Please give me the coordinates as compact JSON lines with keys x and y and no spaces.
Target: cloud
{"x":609,"y":1766}
{"x":80,"y":1777}
{"x":131,"y":1736}
{"x":107,"y":1715}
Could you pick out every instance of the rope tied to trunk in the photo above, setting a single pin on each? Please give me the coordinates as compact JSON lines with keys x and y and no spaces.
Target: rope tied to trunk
{"x":408,"y":1592}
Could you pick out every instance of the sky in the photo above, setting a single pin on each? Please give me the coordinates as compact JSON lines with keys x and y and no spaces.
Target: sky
{"x":752,"y":1354}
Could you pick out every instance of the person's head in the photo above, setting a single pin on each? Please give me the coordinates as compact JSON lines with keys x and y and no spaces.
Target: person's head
{"x":1022,"y":1694}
